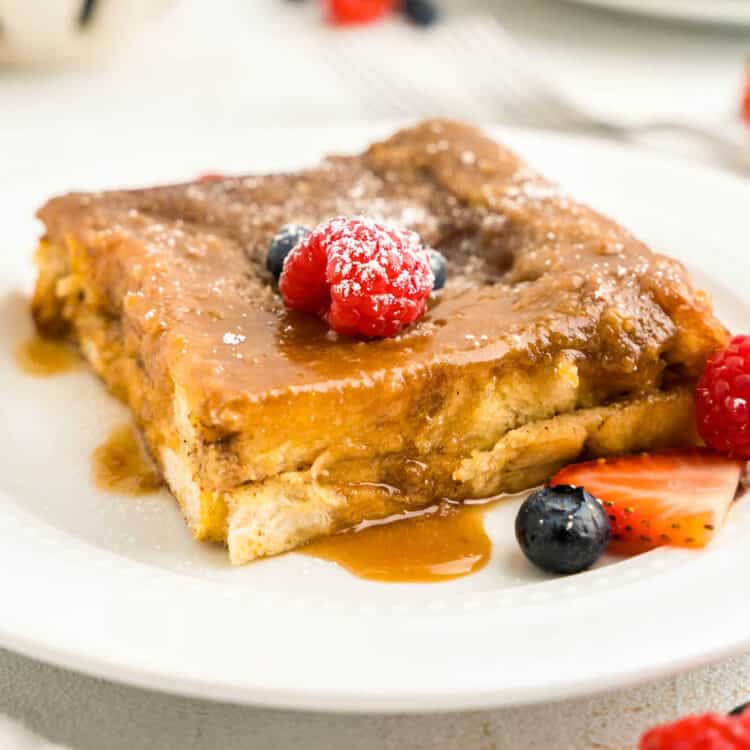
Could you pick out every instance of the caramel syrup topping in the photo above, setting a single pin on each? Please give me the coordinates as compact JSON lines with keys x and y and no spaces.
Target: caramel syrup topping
{"x":43,"y":357}
{"x":436,"y":544}
{"x":121,"y":464}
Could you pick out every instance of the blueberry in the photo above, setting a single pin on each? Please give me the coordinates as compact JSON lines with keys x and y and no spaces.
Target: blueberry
{"x":562,"y":529}
{"x":421,"y":12}
{"x":283,"y":242}
{"x":439,"y":269}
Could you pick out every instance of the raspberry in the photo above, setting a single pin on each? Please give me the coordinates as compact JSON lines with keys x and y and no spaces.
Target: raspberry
{"x":707,"y":732}
{"x":358,"y":11}
{"x":722,"y":400}
{"x":364,"y":278}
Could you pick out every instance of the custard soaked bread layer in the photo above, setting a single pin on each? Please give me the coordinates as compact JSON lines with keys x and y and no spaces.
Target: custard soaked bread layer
{"x":558,"y":334}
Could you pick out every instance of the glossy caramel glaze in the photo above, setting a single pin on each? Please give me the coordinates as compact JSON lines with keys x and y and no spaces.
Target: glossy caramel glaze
{"x":43,"y":357}
{"x":530,"y":270}
{"x":436,"y":544}
{"x":177,"y":275}
{"x":121,"y":465}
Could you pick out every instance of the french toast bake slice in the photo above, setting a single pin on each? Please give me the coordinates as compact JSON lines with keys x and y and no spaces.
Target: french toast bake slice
{"x":558,"y":335}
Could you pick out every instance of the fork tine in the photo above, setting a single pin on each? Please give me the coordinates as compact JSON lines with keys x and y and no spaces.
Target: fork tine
{"x":376,"y":84}
{"x":473,"y":99}
{"x":484,"y":56}
{"x":484,"y":73}
{"x":354,"y":76}
{"x":425,"y":100}
{"x":497,"y":72}
{"x":495,"y":43}
{"x":488,"y":77}
{"x":415,"y":99}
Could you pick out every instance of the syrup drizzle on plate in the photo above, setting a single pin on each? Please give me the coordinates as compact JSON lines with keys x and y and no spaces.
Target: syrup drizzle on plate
{"x":443,"y":541}
{"x":44,"y":357}
{"x":438,"y":543}
{"x":121,"y":464}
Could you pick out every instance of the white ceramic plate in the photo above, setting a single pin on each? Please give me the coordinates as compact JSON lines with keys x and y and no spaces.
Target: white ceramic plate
{"x":724,"y":12}
{"x":115,"y":586}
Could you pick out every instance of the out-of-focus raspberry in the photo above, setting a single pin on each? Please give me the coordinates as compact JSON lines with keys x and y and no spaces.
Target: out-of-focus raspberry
{"x":358,"y":11}
{"x":707,"y":732}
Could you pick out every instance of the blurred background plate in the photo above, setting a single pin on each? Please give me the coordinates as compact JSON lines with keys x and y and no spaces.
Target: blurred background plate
{"x":726,"y":12}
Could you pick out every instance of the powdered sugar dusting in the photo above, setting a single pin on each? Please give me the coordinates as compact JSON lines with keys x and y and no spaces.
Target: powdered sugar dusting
{"x":378,"y":275}
{"x":232,"y":338}
{"x":520,"y":252}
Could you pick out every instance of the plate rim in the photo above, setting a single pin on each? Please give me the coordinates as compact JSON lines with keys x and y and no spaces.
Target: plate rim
{"x":115,"y":670}
{"x":679,"y":10}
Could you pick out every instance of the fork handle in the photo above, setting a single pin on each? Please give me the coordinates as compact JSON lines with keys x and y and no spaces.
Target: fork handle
{"x":733,"y":153}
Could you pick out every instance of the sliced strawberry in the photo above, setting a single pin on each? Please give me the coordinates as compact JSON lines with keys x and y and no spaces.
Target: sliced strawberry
{"x":678,"y":498}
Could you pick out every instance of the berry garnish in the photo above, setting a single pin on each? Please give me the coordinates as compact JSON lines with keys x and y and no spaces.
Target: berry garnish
{"x":358,"y":11}
{"x":282,"y":243}
{"x":678,"y":498}
{"x":562,"y":529}
{"x":722,"y":400}
{"x":439,"y":269}
{"x":707,"y":732}
{"x":420,"y":12}
{"x":363,"y":277}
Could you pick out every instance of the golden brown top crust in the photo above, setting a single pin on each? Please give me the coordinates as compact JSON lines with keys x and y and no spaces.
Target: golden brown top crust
{"x":531,"y":273}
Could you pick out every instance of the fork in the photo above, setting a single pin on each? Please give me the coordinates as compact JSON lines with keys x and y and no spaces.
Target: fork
{"x":497,"y":78}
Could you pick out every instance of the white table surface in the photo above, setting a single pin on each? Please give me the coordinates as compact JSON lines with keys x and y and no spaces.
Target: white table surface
{"x":256,"y":63}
